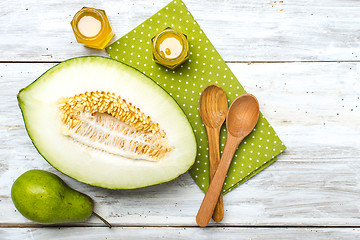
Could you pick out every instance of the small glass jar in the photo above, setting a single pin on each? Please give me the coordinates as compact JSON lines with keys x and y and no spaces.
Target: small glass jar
{"x":92,"y":28}
{"x":170,"y":48}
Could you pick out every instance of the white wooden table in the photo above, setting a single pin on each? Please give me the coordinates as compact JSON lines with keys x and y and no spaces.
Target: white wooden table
{"x":302,"y":61}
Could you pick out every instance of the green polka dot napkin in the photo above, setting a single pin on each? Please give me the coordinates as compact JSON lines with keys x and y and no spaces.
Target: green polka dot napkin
{"x":185,"y":84}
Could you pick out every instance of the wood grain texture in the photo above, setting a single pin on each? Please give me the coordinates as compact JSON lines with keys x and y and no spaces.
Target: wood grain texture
{"x":262,"y":30}
{"x":171,"y":233}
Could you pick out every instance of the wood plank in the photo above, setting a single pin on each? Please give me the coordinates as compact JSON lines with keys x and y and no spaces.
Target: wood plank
{"x":149,"y":233}
{"x":304,"y":30}
{"x":314,"y":107}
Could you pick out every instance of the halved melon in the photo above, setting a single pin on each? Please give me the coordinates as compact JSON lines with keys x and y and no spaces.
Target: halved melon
{"x":106,"y":124}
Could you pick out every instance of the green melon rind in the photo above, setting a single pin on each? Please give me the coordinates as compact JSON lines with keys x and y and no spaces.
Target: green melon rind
{"x":152,"y":84}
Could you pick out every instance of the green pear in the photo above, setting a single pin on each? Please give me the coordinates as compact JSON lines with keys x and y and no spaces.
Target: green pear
{"x":45,"y":198}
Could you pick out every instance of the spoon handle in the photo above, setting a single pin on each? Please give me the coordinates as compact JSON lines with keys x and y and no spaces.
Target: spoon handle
{"x":208,"y":204}
{"x":214,"y":159}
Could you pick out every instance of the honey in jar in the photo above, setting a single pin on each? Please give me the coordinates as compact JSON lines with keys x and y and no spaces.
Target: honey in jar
{"x":170,"y":48}
{"x":92,"y":28}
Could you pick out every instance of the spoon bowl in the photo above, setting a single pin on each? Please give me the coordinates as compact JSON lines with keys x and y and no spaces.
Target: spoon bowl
{"x":243,"y":115}
{"x":213,"y":106}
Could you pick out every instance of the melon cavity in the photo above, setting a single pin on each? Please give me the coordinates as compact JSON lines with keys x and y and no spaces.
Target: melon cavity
{"x":106,"y":124}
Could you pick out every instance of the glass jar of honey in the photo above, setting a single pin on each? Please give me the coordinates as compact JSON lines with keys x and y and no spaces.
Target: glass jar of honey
{"x":92,"y":28}
{"x":170,"y":48}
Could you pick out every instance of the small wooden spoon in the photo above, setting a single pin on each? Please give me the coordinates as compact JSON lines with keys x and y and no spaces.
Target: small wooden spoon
{"x":241,"y":119}
{"x":213,"y":107}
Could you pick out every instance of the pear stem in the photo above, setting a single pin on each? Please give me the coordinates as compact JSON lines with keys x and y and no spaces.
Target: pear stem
{"x":102,"y":219}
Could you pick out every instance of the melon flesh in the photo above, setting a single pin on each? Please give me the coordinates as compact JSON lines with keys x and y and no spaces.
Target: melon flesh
{"x":39,"y":103}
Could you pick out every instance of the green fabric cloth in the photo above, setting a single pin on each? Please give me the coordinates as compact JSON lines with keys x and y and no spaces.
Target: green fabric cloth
{"x":185,"y":84}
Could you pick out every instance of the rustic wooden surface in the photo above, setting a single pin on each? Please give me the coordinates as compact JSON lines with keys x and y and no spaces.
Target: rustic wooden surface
{"x":299,"y":58}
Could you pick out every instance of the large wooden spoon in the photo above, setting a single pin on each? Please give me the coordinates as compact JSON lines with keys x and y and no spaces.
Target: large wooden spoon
{"x":213,"y":107}
{"x":241,"y":118}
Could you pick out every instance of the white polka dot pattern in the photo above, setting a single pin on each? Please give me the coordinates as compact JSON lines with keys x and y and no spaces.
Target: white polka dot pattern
{"x":185,"y":84}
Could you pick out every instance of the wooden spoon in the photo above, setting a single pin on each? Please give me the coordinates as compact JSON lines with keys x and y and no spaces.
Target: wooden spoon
{"x":241,"y":118}
{"x":213,"y":107}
